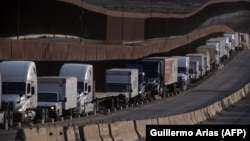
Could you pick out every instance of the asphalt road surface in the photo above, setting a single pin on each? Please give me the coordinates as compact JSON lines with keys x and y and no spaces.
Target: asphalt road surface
{"x":237,"y":114}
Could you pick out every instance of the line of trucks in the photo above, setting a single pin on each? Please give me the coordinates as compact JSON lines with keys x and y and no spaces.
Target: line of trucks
{"x":26,"y":96}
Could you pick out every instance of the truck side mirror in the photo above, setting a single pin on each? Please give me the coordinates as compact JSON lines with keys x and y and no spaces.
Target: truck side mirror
{"x":65,"y":99}
{"x":21,"y":94}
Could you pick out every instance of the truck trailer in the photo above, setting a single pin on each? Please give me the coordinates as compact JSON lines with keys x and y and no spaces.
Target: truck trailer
{"x":211,"y":52}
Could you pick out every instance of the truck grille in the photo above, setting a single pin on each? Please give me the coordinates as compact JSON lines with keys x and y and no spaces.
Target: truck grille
{"x":7,"y":105}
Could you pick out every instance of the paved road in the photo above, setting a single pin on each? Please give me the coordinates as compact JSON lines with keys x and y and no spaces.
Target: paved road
{"x":237,"y":114}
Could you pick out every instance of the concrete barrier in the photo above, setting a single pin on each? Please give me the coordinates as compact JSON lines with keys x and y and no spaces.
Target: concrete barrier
{"x":105,"y":132}
{"x":226,"y":102}
{"x":193,"y":117}
{"x":90,"y":132}
{"x":246,"y":89}
{"x":31,"y":134}
{"x":72,"y":133}
{"x":198,"y":116}
{"x":211,"y":111}
{"x":188,"y":119}
{"x":55,"y":133}
{"x":243,"y":93}
{"x":140,"y":126}
{"x":203,"y":114}
{"x":237,"y":96}
{"x":163,"y":121}
{"x":155,"y":121}
{"x":127,"y":130}
{"x":218,"y":106}
{"x":176,"y":119}
{"x":115,"y":133}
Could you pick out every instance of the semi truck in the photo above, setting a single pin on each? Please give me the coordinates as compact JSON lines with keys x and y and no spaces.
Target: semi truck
{"x":233,"y":39}
{"x":201,"y":59}
{"x":57,"y":96}
{"x":183,"y":74}
{"x":211,"y":52}
{"x":161,"y":74}
{"x":123,"y":81}
{"x":244,"y":40}
{"x":19,"y":90}
{"x":206,"y":59}
{"x":85,"y":85}
{"x":224,"y":45}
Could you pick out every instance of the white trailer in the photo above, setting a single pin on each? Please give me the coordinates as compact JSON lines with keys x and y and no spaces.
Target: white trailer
{"x":124,"y":81}
{"x":57,"y":94}
{"x":224,"y":45}
{"x":234,"y":38}
{"x":201,"y":59}
{"x":19,"y":89}
{"x":85,"y":85}
{"x":217,"y":43}
{"x":231,"y":42}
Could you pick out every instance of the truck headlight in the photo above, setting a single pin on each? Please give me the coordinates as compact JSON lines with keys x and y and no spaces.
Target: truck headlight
{"x":52,"y":108}
{"x":19,"y":109}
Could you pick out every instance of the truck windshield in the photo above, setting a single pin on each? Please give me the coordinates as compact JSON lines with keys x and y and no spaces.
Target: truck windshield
{"x":150,"y":68}
{"x":117,"y":88}
{"x":13,"y":87}
{"x":182,"y":69}
{"x":47,"y":97}
{"x":141,"y":78}
{"x":80,"y":87}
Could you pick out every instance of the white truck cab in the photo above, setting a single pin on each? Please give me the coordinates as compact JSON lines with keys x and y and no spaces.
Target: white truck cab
{"x":85,"y":85}
{"x":19,"y":89}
